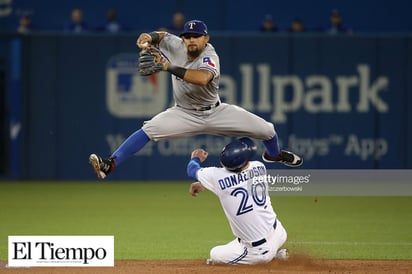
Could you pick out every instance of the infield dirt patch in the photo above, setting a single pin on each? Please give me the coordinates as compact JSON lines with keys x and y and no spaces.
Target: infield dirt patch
{"x":297,"y":264}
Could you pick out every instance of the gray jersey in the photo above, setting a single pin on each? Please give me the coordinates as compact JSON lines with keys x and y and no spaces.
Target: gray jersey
{"x":187,"y":95}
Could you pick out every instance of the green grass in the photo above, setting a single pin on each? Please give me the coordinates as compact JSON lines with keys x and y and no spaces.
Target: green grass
{"x":162,"y":221}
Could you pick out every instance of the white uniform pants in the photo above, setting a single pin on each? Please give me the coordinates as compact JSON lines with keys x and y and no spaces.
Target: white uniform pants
{"x":239,"y":252}
{"x":225,"y":120}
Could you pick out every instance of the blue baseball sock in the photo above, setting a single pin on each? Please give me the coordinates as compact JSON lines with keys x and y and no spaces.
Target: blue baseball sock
{"x":272,"y":146}
{"x":130,"y":146}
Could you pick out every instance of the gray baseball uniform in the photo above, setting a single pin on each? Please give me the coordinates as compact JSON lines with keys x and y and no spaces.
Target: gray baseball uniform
{"x":198,"y":109}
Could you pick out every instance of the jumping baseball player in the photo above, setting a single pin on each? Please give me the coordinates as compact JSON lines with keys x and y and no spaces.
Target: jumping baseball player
{"x":195,"y":70}
{"x":243,"y":193}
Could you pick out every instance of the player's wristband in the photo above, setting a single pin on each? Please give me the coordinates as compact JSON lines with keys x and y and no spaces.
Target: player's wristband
{"x":192,"y":167}
{"x":178,"y":71}
{"x":196,"y":159}
{"x":155,"y":37}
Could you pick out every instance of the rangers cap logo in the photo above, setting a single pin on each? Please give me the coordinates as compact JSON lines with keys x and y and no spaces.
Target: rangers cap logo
{"x":196,"y":27}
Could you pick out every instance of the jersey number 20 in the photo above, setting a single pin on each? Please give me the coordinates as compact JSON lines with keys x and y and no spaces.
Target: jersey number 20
{"x":258,"y":196}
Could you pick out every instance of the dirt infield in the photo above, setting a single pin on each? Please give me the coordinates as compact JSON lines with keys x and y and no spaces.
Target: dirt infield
{"x":293,"y":265}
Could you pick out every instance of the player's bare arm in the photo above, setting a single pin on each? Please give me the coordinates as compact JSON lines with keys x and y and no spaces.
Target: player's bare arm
{"x":200,"y":153}
{"x":196,"y":188}
{"x":194,"y":76}
{"x":153,"y":38}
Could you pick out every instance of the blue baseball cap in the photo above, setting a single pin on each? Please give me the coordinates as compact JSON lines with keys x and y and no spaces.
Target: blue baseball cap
{"x":194,"y":26}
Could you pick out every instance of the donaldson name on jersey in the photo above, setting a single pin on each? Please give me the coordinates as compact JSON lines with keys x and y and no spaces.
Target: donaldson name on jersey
{"x":244,"y":176}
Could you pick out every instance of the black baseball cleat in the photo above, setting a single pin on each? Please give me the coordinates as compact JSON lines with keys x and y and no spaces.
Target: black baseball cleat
{"x":102,"y":167}
{"x":285,"y":157}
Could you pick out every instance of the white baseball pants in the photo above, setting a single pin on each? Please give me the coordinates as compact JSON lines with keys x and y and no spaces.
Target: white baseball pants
{"x":239,"y":252}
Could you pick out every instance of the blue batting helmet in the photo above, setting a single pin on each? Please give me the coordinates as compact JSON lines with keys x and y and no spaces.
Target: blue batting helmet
{"x":237,"y":153}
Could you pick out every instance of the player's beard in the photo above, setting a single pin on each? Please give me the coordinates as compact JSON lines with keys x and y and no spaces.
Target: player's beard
{"x":193,"y":52}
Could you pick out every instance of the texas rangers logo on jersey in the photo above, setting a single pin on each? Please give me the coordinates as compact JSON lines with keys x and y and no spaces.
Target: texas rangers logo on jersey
{"x":209,"y":61}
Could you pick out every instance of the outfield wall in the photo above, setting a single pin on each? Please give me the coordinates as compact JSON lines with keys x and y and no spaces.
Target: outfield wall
{"x":340,"y":101}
